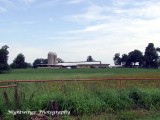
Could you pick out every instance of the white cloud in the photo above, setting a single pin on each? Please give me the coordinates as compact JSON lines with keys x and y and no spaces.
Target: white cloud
{"x":122,"y":31}
{"x":104,"y":13}
{"x":92,"y":14}
{"x":150,"y":11}
{"x":94,"y":28}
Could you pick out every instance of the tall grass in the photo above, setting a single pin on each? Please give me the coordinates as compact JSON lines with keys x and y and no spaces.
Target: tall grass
{"x":78,"y":99}
{"x":81,"y":98}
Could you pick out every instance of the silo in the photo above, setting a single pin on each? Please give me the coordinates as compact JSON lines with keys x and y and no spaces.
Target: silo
{"x":52,"y":58}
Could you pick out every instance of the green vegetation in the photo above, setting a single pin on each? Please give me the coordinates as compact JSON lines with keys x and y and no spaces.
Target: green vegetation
{"x":45,"y":74}
{"x":132,"y":100}
{"x":19,"y":62}
{"x":4,"y":59}
{"x":148,"y":60}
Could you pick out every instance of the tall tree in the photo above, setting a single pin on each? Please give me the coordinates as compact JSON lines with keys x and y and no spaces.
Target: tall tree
{"x":158,"y":49}
{"x":117,"y":59}
{"x":90,"y":59}
{"x":19,"y":62}
{"x":151,"y":56}
{"x":124,"y":60}
{"x":4,"y":58}
{"x":135,"y":56}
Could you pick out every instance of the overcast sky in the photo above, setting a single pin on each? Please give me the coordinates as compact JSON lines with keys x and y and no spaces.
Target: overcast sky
{"x":75,"y":29}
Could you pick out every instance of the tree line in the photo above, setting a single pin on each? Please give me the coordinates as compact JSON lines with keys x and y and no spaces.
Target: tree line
{"x":18,"y":62}
{"x":150,"y":59}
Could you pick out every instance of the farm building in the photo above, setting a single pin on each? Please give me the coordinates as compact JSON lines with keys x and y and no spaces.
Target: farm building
{"x":52,"y":63}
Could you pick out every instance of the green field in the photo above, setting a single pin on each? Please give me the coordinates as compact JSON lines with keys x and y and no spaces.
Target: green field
{"x":102,"y":100}
{"x":45,"y":74}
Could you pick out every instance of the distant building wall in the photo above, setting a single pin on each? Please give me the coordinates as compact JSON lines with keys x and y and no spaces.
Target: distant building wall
{"x":83,"y":66}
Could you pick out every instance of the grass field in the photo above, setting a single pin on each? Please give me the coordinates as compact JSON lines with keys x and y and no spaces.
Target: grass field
{"x":45,"y":74}
{"x":105,"y":100}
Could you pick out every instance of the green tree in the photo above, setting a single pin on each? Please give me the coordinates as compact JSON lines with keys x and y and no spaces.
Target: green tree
{"x":90,"y":59}
{"x":151,"y":56}
{"x":135,"y":56}
{"x":117,"y":59}
{"x":19,"y":62}
{"x":39,"y":61}
{"x":158,"y":49}
{"x":124,"y":60}
{"x":4,"y":59}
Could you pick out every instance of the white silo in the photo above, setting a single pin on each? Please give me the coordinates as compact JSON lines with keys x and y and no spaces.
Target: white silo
{"x":52,"y":58}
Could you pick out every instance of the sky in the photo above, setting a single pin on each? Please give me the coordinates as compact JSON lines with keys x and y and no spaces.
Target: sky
{"x":75,"y":29}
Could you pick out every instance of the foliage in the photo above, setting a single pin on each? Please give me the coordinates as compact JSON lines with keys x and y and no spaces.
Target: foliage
{"x":117,"y":59}
{"x":39,"y":61}
{"x":124,"y":60}
{"x":82,"y":100}
{"x":19,"y":62}
{"x":148,"y":60}
{"x":135,"y":56}
{"x":147,"y":99}
{"x":127,"y":115}
{"x":151,"y":56}
{"x":90,"y":59}
{"x":4,"y":58}
{"x":44,"y":61}
{"x":158,"y":49}
{"x":116,"y":100}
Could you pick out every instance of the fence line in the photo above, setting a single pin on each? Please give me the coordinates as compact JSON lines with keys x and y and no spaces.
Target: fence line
{"x":119,"y":80}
